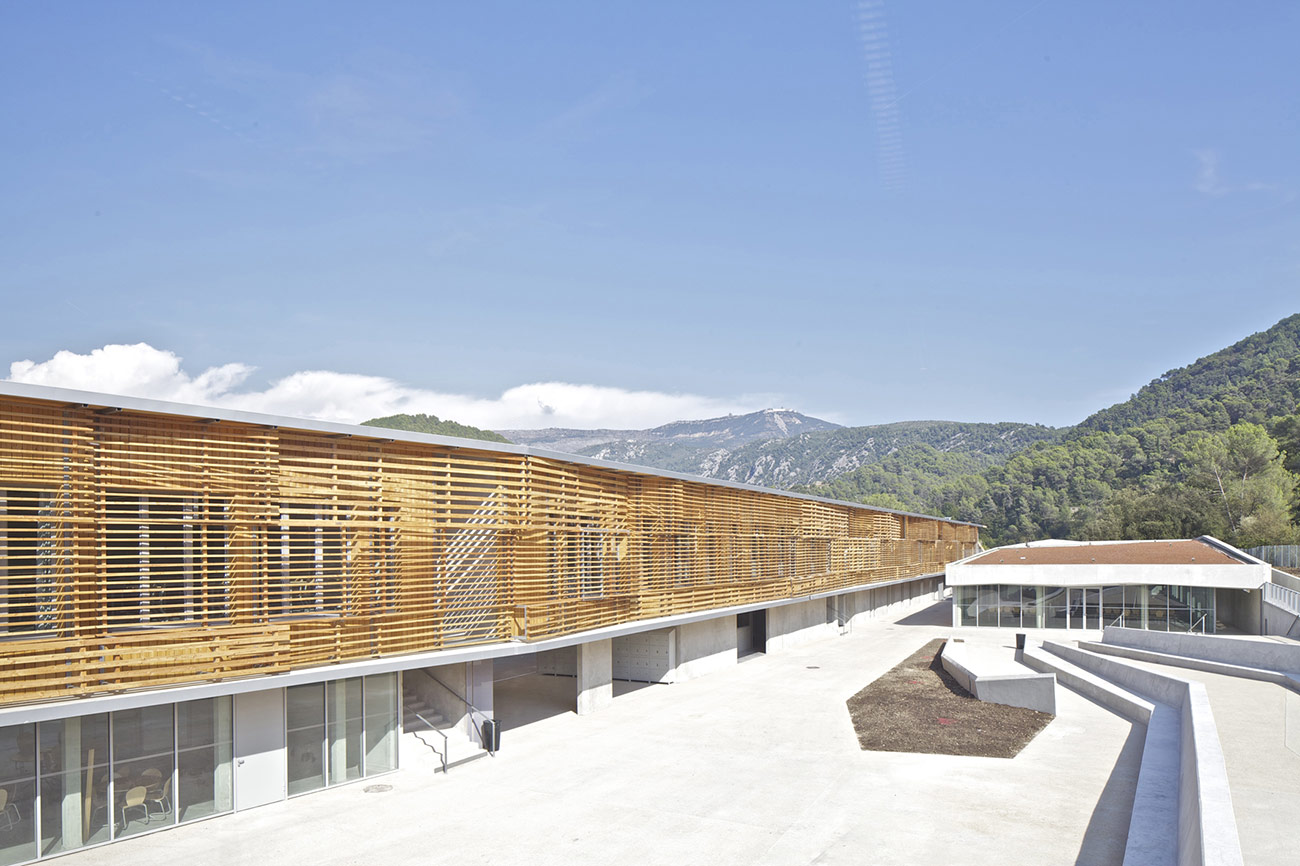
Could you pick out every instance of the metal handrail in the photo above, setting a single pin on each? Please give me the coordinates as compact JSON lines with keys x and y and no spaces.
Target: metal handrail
{"x":1119,"y":619}
{"x":1200,"y":622}
{"x":446,"y":747}
{"x":472,"y":710}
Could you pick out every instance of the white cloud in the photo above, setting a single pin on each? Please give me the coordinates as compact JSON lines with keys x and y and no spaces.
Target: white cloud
{"x":141,"y":370}
{"x":1209,"y":182}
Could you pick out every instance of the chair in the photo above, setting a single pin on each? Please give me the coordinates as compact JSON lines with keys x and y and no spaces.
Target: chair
{"x":7,"y":808}
{"x":151,"y":778}
{"x":135,"y":799}
{"x":163,"y":799}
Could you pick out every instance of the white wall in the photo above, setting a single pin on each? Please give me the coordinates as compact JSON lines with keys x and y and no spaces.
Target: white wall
{"x":794,"y":624}
{"x":705,"y":647}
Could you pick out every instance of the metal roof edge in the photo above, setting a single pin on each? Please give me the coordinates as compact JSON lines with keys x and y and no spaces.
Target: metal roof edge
{"x":240,"y":416}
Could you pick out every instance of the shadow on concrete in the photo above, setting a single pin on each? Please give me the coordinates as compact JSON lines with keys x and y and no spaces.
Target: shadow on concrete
{"x":524,"y":700}
{"x":939,"y":613}
{"x":1107,"y":833}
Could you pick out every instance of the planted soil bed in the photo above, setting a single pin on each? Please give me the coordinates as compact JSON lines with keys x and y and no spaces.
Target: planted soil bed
{"x":918,"y":707}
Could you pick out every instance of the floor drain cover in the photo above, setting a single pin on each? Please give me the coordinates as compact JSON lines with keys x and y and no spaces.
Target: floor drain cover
{"x":377,"y":789}
{"x":814,"y":667}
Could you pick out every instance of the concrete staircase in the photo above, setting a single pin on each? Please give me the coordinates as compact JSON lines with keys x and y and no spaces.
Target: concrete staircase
{"x":428,"y":737}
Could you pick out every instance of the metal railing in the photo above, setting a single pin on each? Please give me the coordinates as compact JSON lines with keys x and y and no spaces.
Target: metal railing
{"x":478,"y":729}
{"x":442,"y":756}
{"x":1283,"y":597}
{"x":1200,"y":622}
{"x":1278,"y":555}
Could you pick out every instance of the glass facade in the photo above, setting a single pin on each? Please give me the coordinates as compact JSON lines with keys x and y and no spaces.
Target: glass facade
{"x":70,"y":783}
{"x":340,"y":731}
{"x":1157,"y":608}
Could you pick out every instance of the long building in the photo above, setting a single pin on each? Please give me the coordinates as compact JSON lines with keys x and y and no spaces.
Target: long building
{"x":204,"y":610}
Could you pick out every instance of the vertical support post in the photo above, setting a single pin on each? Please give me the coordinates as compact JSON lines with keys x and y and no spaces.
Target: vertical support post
{"x":224,"y":771}
{"x":73,"y":819}
{"x":595,"y":679}
{"x":336,"y":730}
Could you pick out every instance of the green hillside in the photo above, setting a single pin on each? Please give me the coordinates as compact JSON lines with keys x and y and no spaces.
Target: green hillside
{"x":433,"y":424}
{"x":1209,"y":448}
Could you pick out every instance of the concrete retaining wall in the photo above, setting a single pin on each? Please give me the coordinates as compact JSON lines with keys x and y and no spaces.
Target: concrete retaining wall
{"x":794,"y":624}
{"x":704,"y":647}
{"x":1091,"y":686}
{"x":1279,"y":621}
{"x":1031,"y":691}
{"x":1268,"y":655}
{"x":1207,"y":825}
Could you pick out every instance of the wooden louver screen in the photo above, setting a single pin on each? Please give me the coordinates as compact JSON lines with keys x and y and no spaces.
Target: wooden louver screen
{"x":139,"y":549}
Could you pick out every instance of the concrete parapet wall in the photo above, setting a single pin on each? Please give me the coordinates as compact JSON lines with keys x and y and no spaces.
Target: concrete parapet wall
{"x":1031,"y":691}
{"x":1206,"y":823}
{"x":1290,"y":681}
{"x":1091,"y":686}
{"x":1268,"y":655}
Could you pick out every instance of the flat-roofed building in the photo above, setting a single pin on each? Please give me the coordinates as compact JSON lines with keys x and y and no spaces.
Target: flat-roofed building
{"x":205,"y":610}
{"x":1170,"y":585}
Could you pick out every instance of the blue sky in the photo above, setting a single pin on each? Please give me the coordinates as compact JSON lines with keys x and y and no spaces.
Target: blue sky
{"x":520,"y":214}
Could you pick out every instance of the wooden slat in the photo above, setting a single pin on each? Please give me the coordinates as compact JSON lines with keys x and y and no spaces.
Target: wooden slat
{"x":142,"y":550}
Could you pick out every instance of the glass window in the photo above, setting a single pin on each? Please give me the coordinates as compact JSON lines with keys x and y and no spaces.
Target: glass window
{"x":18,"y":793}
{"x":74,"y":783}
{"x":305,"y":740}
{"x":381,"y":723}
{"x":964,"y":597}
{"x":1180,"y":613}
{"x":144,"y":752}
{"x":343,"y":709}
{"x":1055,"y":607}
{"x":1030,"y":606}
{"x":1009,"y":606}
{"x":1157,"y":609}
{"x":1133,"y":607}
{"x":204,"y":779}
{"x":1112,"y":605}
{"x":167,"y":558}
{"x":28,"y":599}
{"x":986,"y":605}
{"x":310,"y":562}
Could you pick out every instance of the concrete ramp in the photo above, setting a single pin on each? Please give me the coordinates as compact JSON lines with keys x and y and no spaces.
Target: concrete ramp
{"x":1183,"y":788}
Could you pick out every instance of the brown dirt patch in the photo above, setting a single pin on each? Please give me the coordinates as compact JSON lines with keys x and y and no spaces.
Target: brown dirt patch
{"x":918,"y":707}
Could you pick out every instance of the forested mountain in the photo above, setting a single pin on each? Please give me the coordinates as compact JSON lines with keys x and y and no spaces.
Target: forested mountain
{"x":1208,"y":448}
{"x":1256,"y":380}
{"x":810,"y":458}
{"x":432,"y":424}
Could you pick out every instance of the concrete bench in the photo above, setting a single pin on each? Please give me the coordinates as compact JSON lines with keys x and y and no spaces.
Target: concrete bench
{"x":1034,"y":691}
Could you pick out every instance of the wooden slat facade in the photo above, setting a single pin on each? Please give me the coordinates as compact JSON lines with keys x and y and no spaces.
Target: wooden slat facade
{"x":139,"y":549}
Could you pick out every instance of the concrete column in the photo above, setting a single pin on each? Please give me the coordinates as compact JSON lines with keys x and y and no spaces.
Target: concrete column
{"x":595,"y":680}
{"x":336,"y":731}
{"x":73,"y":820}
{"x":223,"y":772}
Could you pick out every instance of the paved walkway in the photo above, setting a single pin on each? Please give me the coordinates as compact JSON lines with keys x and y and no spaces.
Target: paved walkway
{"x":758,"y":764}
{"x":1259,"y":729}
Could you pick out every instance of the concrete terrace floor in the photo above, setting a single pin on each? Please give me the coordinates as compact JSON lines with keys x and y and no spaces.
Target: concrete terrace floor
{"x":757,"y":764}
